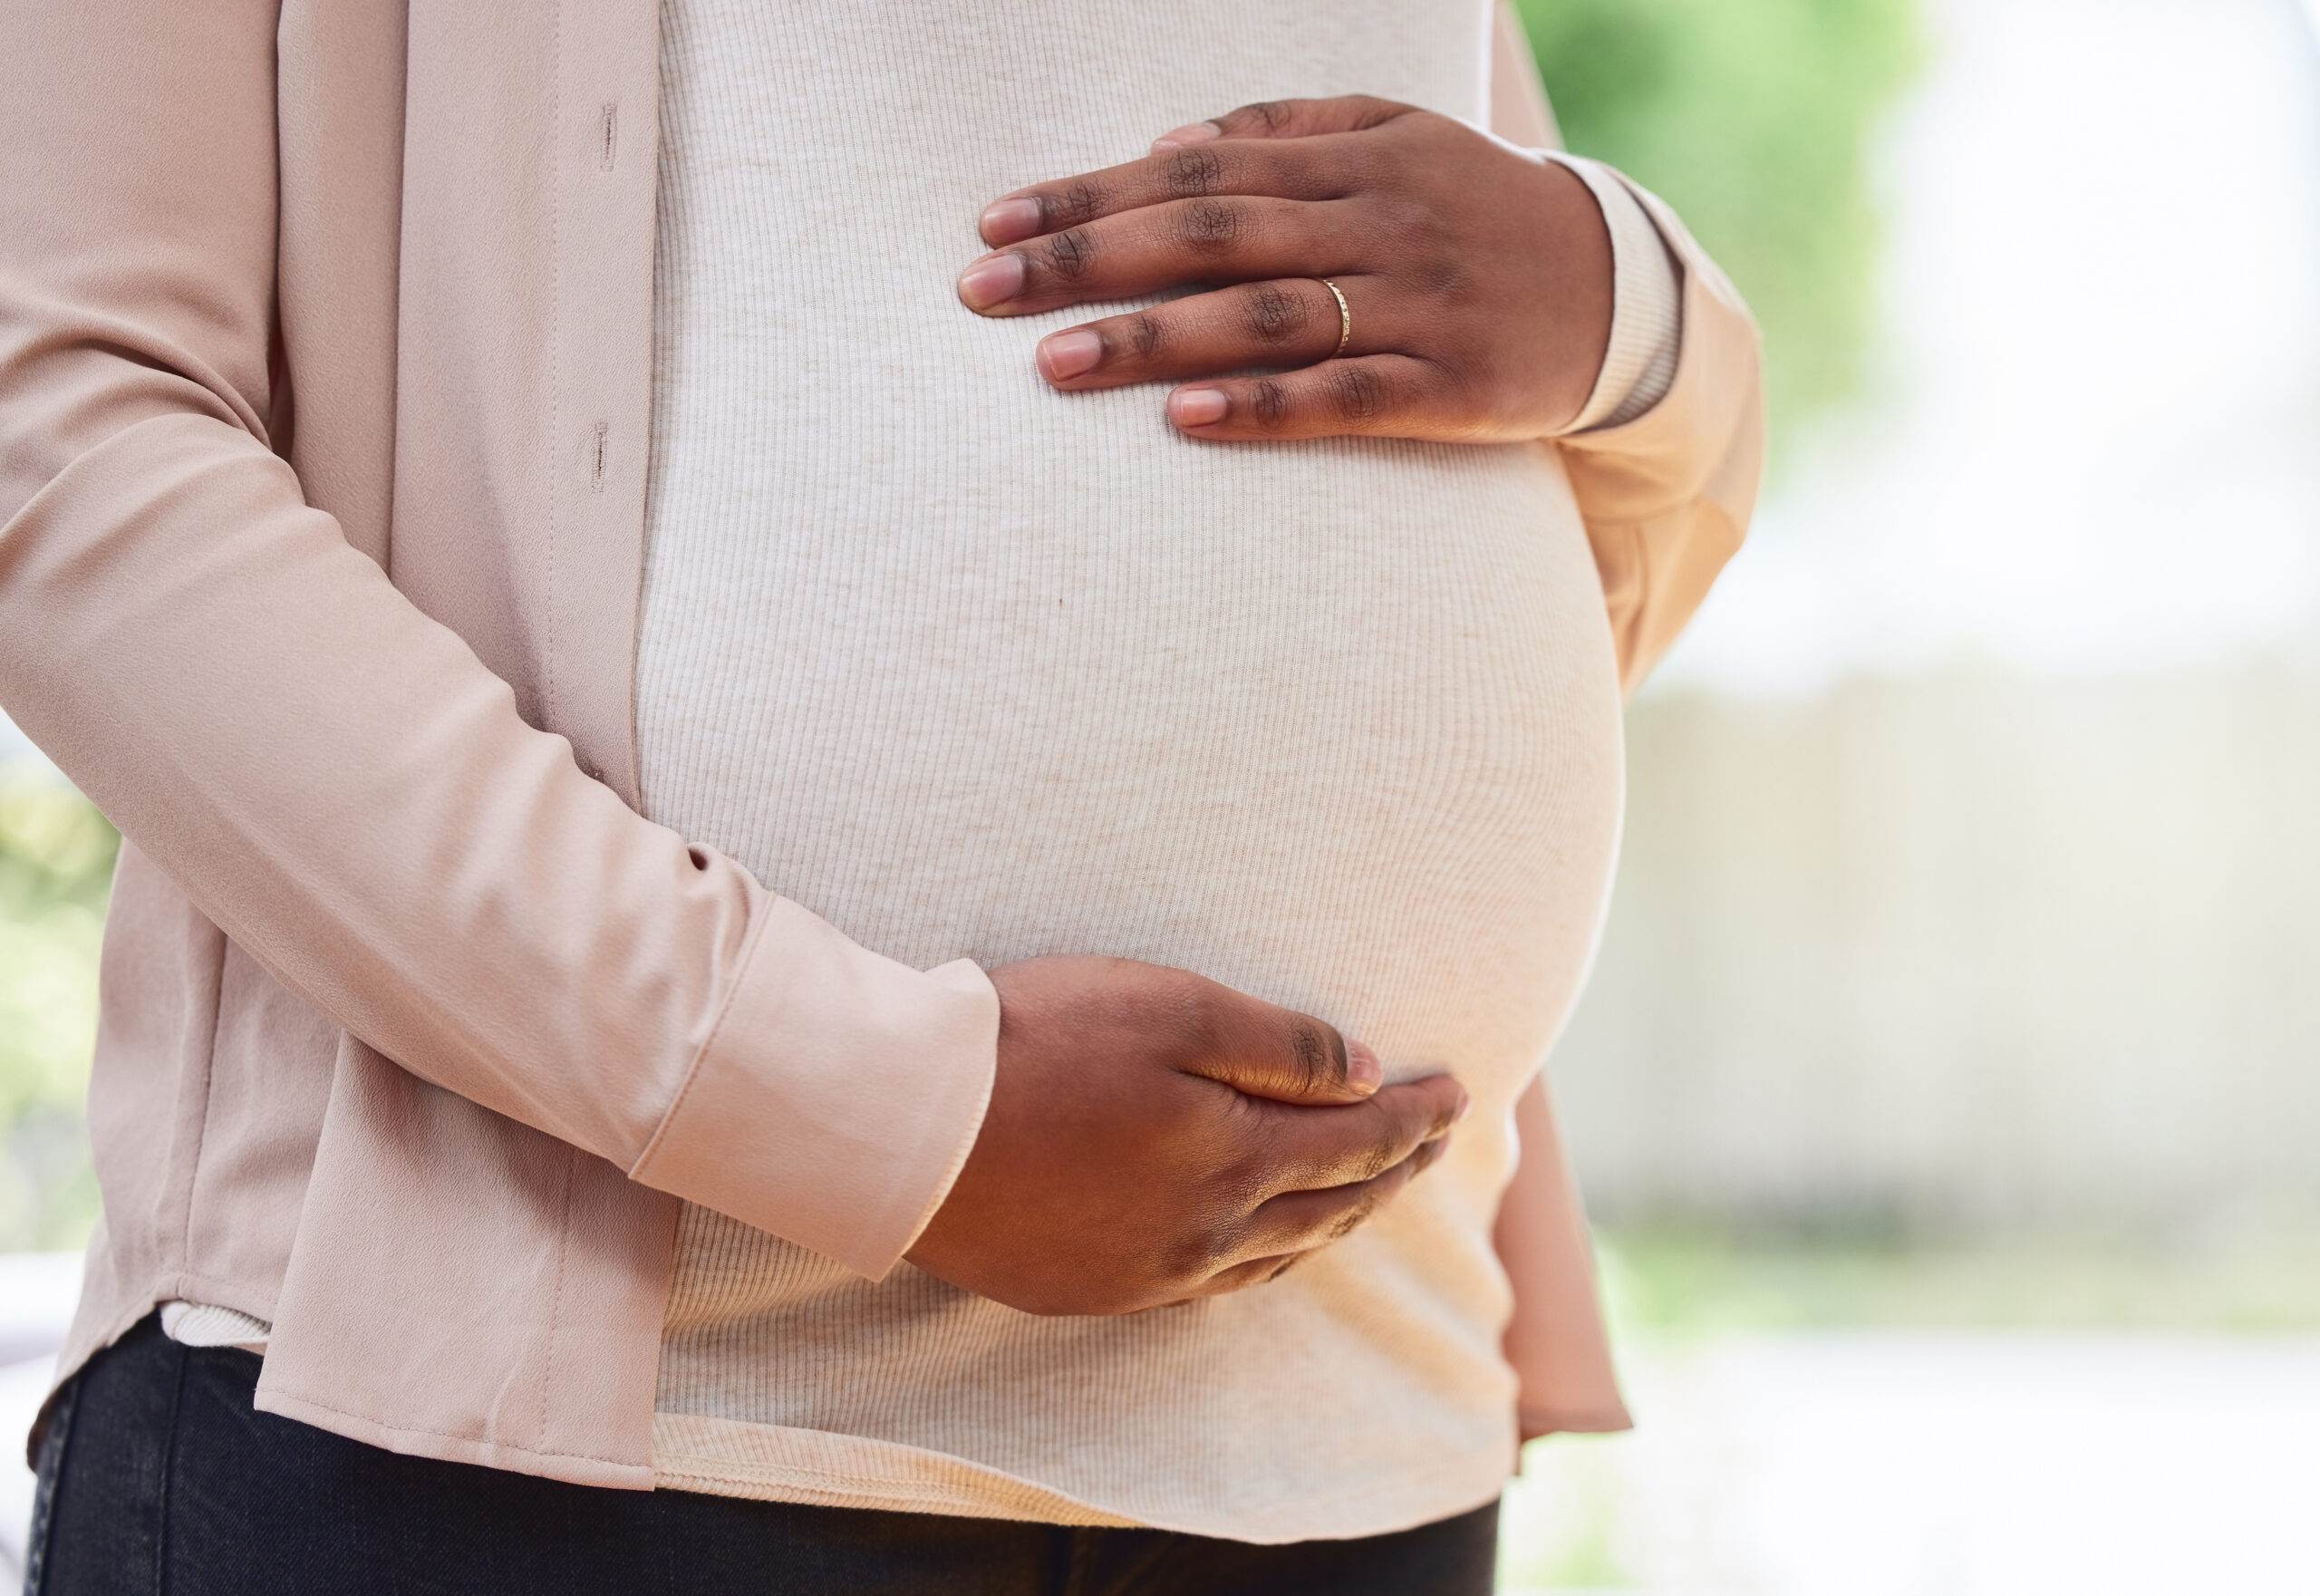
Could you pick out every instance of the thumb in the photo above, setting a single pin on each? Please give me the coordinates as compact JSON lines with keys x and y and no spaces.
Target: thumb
{"x":1292,"y":1057}
{"x":1288,"y":119}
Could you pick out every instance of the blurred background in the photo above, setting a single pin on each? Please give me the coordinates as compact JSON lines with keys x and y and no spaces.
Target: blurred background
{"x":1947,"y":1097}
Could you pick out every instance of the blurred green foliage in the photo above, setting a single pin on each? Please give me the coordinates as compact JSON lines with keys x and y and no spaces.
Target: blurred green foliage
{"x":1667,"y":1282}
{"x":1752,"y":118}
{"x":56,"y":857}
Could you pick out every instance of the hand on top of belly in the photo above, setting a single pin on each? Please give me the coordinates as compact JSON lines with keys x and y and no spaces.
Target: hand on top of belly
{"x":1153,"y":1137}
{"x":1476,"y":277}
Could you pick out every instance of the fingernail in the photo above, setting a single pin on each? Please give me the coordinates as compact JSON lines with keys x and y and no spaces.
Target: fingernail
{"x":1066,"y":354}
{"x":1364,"y":1072}
{"x":1197,"y":133}
{"x":991,"y":282}
{"x":1466,"y":1107}
{"x":1010,"y":221}
{"x":1197,"y":407}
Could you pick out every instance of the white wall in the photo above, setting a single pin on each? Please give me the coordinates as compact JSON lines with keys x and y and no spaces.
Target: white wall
{"x":1969,"y":954}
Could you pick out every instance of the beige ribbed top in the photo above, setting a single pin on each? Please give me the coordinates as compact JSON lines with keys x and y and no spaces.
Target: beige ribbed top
{"x":974,"y":669}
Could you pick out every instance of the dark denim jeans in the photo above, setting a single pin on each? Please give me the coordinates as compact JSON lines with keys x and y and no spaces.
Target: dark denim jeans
{"x":158,"y":1477}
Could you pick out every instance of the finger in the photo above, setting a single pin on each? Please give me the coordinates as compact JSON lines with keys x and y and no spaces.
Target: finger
{"x":1285,"y":322}
{"x":1266,"y":1051}
{"x":1300,"y":1222}
{"x":1255,"y":1272}
{"x":1277,"y":172}
{"x":1288,"y":119}
{"x":1281,"y":1056}
{"x":1292,"y":1228}
{"x":1374,"y":396}
{"x":1223,"y":238}
{"x":1309,"y":1149}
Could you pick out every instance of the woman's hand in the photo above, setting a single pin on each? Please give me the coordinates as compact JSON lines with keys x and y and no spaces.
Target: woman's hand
{"x":1478,"y":278}
{"x":1153,"y":1137}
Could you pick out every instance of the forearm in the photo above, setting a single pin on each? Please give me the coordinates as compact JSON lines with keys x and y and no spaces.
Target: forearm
{"x":333,"y":778}
{"x":337,"y":782}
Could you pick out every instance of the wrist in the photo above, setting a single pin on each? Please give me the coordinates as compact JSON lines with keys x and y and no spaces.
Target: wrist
{"x":1578,"y":261}
{"x":1643,"y":331}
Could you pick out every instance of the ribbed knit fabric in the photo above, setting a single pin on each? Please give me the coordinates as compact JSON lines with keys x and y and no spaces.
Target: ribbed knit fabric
{"x":205,"y":1324}
{"x":975,"y":669}
{"x":1647,"y":332}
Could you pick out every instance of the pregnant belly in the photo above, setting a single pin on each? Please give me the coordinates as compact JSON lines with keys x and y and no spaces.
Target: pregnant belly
{"x":1336,"y":724}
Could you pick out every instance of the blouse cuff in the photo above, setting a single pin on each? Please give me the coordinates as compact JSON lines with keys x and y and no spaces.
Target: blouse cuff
{"x":838,"y":1097}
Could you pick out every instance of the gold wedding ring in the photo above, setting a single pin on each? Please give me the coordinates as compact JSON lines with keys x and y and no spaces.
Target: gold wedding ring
{"x":1345,"y":317}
